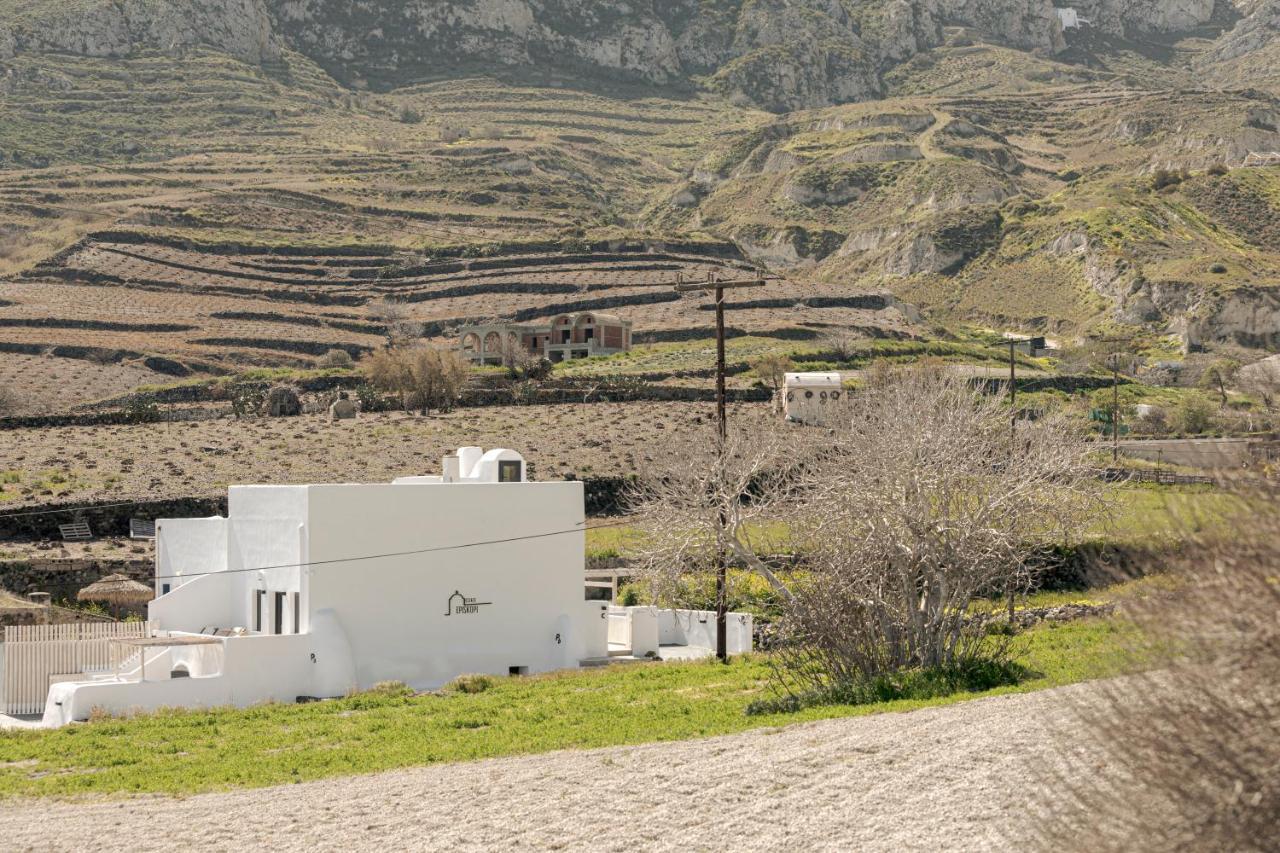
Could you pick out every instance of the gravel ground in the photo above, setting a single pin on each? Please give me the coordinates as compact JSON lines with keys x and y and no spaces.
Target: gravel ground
{"x":951,"y":778}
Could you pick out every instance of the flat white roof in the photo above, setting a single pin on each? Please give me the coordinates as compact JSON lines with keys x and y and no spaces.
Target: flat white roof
{"x":825,"y":380}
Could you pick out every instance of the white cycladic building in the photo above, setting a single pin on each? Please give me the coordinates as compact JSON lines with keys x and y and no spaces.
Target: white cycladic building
{"x":318,"y":590}
{"x":812,"y":398}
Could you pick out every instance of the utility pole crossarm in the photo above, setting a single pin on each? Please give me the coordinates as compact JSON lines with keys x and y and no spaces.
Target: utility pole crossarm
{"x":722,"y":285}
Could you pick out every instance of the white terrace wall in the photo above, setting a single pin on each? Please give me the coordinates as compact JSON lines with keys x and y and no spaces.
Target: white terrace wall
{"x":255,"y":669}
{"x":34,"y":653}
{"x":511,"y":604}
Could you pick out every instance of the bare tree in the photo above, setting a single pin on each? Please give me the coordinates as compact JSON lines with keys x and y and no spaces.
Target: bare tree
{"x":922,"y":506}
{"x":901,"y":518}
{"x":425,"y":377}
{"x":1185,"y":754}
{"x":693,"y":511}
{"x":1218,"y":376}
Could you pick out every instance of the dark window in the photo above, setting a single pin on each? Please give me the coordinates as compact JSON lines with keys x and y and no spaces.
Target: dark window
{"x":278,"y":624}
{"x":164,"y":589}
{"x":823,"y":395}
{"x":259,"y":595}
{"x":517,"y":670}
{"x":297,"y":613}
{"x":509,"y":471}
{"x":808,"y":395}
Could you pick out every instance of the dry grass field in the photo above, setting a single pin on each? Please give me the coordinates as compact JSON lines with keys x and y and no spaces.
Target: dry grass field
{"x":43,"y":384}
{"x":201,"y":458}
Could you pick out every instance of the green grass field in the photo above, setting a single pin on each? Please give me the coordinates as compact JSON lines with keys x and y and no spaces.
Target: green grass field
{"x":1140,"y":515}
{"x":187,"y":752}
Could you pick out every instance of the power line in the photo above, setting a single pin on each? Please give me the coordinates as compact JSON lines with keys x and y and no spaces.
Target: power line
{"x":90,"y":508}
{"x":435,"y":549}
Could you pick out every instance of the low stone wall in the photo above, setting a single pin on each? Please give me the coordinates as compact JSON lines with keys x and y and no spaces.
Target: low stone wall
{"x":62,"y":579}
{"x":105,"y":518}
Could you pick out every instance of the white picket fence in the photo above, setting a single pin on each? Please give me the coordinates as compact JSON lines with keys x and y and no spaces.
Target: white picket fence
{"x":34,"y":654}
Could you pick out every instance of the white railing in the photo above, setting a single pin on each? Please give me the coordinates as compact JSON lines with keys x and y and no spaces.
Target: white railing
{"x":36,"y":654}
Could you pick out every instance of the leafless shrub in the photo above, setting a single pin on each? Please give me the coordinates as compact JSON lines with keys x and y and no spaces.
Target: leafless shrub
{"x":9,"y":402}
{"x":400,"y":329}
{"x":843,"y":344}
{"x":692,"y":508}
{"x":522,"y":363}
{"x":1185,"y":756}
{"x":772,"y":369}
{"x":426,"y":378}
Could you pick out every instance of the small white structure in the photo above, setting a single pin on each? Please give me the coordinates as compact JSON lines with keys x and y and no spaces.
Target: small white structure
{"x":812,"y":398}
{"x":319,"y":590}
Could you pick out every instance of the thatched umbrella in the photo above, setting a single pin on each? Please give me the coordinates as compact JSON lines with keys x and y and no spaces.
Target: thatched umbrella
{"x":118,"y":591}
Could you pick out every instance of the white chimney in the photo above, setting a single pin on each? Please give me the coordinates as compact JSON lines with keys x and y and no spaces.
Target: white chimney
{"x":468,"y":458}
{"x":450,"y":468}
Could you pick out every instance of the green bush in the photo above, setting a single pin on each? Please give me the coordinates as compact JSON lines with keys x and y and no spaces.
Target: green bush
{"x":1194,"y":415}
{"x":918,"y":684}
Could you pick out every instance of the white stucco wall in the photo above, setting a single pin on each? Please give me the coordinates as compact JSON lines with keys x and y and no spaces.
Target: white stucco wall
{"x":265,"y":527}
{"x":698,"y":628}
{"x":526,"y":607}
{"x":268,"y":528}
{"x":208,"y":601}
{"x":187,"y":548}
{"x":255,"y":669}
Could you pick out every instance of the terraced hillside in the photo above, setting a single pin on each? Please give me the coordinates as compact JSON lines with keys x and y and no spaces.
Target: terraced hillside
{"x":112,"y":298}
{"x":203,"y":187}
{"x":1026,"y":210}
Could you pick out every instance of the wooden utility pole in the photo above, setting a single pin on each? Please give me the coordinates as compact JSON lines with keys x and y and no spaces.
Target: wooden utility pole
{"x":1013,"y":440}
{"x":1013,"y":396}
{"x":1115,"y":409}
{"x":717,"y":287}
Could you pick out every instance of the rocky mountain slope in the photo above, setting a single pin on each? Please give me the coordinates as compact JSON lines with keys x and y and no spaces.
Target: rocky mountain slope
{"x":975,"y":157}
{"x":778,"y":54}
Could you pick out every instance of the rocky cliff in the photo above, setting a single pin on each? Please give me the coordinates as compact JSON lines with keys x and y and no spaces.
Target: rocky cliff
{"x":779,"y":54}
{"x":242,"y":28}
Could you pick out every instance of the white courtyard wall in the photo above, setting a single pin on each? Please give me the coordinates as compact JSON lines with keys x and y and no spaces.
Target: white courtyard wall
{"x":698,"y":628}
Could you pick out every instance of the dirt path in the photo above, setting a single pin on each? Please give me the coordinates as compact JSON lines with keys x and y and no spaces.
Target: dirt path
{"x":953,"y":778}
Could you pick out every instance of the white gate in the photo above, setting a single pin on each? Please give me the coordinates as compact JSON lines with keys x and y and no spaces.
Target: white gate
{"x":36,"y":654}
